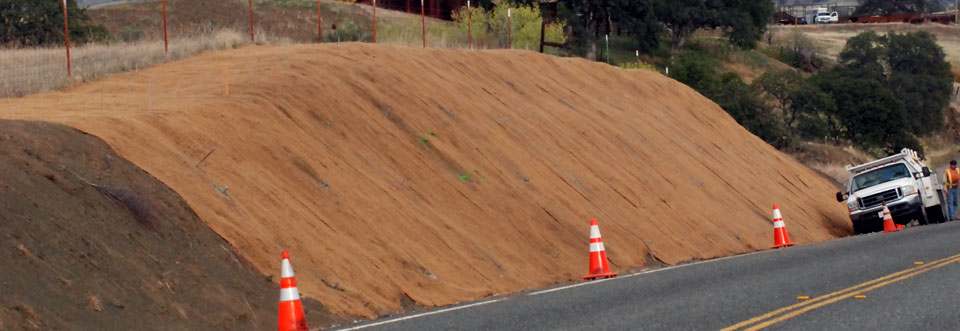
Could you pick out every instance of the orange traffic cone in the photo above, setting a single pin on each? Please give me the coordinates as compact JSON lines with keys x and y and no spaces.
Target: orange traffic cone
{"x":780,"y":236}
{"x":290,"y":315}
{"x":888,"y":225}
{"x":598,"y":255}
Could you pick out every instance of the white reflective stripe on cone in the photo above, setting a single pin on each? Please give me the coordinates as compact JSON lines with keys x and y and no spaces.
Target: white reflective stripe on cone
{"x":594,"y":232}
{"x":596,"y":247}
{"x":286,"y":271}
{"x":289,"y":294}
{"x":778,"y":224}
{"x":776,"y":213}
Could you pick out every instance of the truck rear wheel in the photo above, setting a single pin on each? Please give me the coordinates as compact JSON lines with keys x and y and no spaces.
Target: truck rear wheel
{"x":922,"y":216}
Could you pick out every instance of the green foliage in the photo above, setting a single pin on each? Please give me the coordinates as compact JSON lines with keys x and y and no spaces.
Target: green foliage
{"x":743,"y":21}
{"x":746,"y":21}
{"x":744,"y":104}
{"x":639,"y":19}
{"x":638,"y":65}
{"x":489,"y":27}
{"x":920,"y":76}
{"x":697,"y":70}
{"x":805,"y":110}
{"x":730,"y":92}
{"x":347,"y":30}
{"x":35,"y":23}
{"x":889,"y":89}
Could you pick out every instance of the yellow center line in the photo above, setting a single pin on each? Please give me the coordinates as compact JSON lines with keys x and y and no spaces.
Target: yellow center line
{"x":856,"y":289}
{"x":827,"y":302}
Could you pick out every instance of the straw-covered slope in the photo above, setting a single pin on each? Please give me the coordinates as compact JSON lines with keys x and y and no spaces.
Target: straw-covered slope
{"x":445,"y":175}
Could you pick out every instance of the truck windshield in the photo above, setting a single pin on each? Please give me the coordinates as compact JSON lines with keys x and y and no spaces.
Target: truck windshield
{"x":880,"y":176}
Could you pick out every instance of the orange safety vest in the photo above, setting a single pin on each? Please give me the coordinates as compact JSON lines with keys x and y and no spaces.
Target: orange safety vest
{"x":953,"y":176}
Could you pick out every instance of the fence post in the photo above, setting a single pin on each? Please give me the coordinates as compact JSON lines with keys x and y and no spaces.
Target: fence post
{"x":469,"y":27}
{"x":66,"y":36}
{"x":166,"y":45}
{"x":251,"y":21}
{"x":423,"y":24}
{"x":319,"y":24}
{"x":374,"y":21}
{"x":509,"y":31}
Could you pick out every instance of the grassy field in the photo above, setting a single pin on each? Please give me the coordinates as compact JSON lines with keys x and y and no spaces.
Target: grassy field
{"x":832,"y":37}
{"x":33,"y":70}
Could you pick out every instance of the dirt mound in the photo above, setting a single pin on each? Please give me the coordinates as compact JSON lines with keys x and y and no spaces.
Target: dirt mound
{"x":445,"y":175}
{"x":91,"y":242}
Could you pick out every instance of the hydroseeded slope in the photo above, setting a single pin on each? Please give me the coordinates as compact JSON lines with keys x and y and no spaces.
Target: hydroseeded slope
{"x":327,"y":151}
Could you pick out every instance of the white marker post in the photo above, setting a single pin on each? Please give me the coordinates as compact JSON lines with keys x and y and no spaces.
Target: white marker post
{"x":509,"y":30}
{"x":608,"y":48}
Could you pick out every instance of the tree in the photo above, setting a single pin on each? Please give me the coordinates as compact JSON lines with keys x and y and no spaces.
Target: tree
{"x":743,"y":21}
{"x":888,"y":89}
{"x":35,"y":23}
{"x":683,"y":17}
{"x":887,"y":7}
{"x":806,"y":110}
{"x":744,"y":104}
{"x":746,"y":20}
{"x":640,"y":20}
{"x":920,"y":76}
{"x":730,"y":92}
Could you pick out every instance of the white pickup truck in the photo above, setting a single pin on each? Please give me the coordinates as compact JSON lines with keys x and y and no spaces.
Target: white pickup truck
{"x":909,"y":189}
{"x":823,"y":16}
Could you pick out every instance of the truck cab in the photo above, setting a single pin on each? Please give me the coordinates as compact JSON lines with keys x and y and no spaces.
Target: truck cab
{"x":900,"y":181}
{"x":824,"y":16}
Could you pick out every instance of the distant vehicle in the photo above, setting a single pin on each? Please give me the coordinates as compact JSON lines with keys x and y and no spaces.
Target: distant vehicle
{"x":908,"y":187}
{"x":825,"y":17}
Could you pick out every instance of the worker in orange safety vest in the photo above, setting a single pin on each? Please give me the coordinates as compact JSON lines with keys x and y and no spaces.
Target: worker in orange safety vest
{"x":953,"y":177}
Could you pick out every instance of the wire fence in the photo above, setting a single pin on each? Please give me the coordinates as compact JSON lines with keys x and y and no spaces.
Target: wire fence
{"x":190,"y":27}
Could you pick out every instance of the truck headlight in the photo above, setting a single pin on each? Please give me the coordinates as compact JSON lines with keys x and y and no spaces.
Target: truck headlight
{"x":852,"y":205}
{"x":909,"y":190}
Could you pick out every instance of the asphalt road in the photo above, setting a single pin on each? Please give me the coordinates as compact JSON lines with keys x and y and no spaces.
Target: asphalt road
{"x":867,"y":282}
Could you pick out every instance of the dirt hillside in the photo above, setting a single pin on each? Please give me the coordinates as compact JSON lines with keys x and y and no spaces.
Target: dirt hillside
{"x":91,"y":242}
{"x":444,"y":175}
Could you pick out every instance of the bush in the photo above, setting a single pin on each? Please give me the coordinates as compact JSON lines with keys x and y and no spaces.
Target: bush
{"x":730,"y":92}
{"x":489,"y":28}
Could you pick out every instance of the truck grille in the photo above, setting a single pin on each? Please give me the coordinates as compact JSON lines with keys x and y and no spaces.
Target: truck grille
{"x":879,"y":198}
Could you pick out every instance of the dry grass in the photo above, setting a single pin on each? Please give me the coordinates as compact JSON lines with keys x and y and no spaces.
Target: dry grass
{"x":32,"y":70}
{"x":832,"y":37}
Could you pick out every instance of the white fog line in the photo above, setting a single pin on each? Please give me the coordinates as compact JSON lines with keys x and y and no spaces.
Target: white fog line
{"x":640,"y":273}
{"x":420,"y":315}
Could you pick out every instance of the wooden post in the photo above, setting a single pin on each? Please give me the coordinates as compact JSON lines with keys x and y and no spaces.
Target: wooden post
{"x":374,"y":21}
{"x":509,"y":31}
{"x":66,"y":35}
{"x":956,"y":12}
{"x":469,"y":30}
{"x":251,"y":21}
{"x":543,"y":26}
{"x":423,"y":24}
{"x":166,"y":44}
{"x":319,"y":24}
